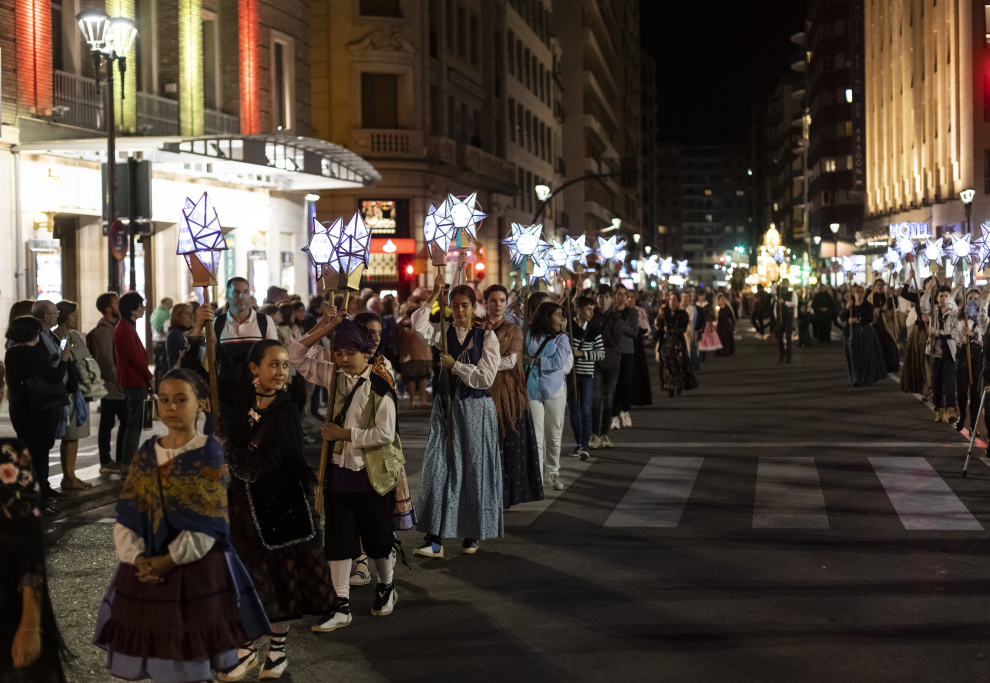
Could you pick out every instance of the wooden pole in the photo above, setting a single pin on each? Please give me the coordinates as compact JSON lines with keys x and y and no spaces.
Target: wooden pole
{"x":211,"y":367}
{"x":444,"y":371}
{"x":325,"y":450}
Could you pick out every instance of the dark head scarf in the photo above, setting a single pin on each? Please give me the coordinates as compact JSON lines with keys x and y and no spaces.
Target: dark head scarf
{"x":351,"y":335}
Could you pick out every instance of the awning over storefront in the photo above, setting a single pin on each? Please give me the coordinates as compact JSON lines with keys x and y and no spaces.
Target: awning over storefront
{"x":281,"y":162}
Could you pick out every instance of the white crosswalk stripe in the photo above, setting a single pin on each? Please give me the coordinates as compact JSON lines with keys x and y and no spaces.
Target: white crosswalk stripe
{"x":789,"y":495}
{"x":659,"y":494}
{"x":921,"y":497}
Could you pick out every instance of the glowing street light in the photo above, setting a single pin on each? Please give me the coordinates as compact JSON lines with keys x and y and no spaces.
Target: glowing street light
{"x":543,"y":192}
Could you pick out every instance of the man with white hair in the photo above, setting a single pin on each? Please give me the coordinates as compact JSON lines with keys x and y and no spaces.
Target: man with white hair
{"x":374,"y":305}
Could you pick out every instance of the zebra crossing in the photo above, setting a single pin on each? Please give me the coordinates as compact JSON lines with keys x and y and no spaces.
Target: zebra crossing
{"x":788,"y":494}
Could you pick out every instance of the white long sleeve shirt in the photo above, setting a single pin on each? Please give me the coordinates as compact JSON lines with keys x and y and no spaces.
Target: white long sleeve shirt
{"x":315,"y":366}
{"x":480,"y":376}
{"x":188,"y":546}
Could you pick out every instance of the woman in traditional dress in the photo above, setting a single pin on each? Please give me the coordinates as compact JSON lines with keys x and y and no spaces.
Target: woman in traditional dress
{"x":916,"y":376}
{"x":726,"y":327}
{"x":709,"y":338}
{"x":274,"y":524}
{"x":883,"y":306}
{"x":31,"y":648}
{"x":180,"y":602}
{"x":864,"y":354}
{"x":676,"y":374}
{"x":460,"y":492}
{"x":521,"y":478}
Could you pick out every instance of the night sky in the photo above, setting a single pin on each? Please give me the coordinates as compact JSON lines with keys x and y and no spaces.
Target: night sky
{"x":715,"y":59}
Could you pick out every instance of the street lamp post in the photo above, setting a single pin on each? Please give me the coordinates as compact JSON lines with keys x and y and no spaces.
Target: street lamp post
{"x":834,"y":227}
{"x":967,"y":199}
{"x":110,"y":40}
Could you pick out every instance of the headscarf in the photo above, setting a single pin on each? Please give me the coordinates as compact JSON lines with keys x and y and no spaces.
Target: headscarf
{"x":351,"y":335}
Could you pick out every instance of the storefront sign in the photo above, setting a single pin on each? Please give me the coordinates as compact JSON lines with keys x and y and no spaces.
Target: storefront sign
{"x":118,"y":240}
{"x":858,"y":103}
{"x":909,"y":230}
{"x":393,"y":245}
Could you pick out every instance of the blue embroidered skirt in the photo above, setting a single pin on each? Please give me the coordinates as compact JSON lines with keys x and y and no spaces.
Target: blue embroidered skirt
{"x":461,"y":496}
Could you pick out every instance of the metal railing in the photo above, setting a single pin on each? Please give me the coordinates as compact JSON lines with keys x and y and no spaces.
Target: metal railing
{"x":157,"y":115}
{"x":78,"y":101}
{"x":387,"y":143}
{"x":218,"y":123}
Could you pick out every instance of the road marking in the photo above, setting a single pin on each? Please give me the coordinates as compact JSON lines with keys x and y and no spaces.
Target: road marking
{"x":525,"y":514}
{"x":921,"y":498}
{"x":721,"y":445}
{"x":659,"y":494}
{"x":789,"y":495}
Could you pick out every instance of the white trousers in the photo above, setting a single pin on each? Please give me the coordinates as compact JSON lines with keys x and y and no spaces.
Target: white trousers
{"x":548,"y":421}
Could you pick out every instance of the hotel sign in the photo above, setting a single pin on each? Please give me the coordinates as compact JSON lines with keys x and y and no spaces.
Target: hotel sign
{"x":909,"y":230}
{"x":858,"y":104}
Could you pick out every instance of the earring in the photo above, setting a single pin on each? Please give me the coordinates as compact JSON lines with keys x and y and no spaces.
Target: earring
{"x":255,"y":381}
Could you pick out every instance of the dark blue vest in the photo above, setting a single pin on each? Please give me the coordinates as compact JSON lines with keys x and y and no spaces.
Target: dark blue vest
{"x":455,"y":348}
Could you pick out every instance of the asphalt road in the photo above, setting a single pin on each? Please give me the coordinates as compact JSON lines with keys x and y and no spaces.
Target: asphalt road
{"x":776,"y":524}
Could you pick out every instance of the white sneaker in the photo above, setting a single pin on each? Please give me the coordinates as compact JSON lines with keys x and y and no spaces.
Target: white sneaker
{"x":246,"y":660}
{"x":594,"y":443}
{"x":606,"y":442}
{"x":338,"y":617}
{"x":361,"y":575}
{"x":626,"y":419}
{"x":385,"y":598}
{"x":429,"y":550}
{"x":555,"y":482}
{"x":616,"y":424}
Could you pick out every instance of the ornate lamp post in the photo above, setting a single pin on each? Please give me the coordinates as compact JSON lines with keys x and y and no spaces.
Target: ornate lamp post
{"x":109,"y":40}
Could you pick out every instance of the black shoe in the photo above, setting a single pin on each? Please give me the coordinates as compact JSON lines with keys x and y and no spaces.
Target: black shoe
{"x":959,"y":426}
{"x":385,"y":599}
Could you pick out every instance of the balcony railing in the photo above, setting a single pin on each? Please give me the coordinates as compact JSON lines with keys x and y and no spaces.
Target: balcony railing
{"x":478,"y":160}
{"x":157,"y":115}
{"x":218,"y":123}
{"x":387,"y":143}
{"x":78,"y":101}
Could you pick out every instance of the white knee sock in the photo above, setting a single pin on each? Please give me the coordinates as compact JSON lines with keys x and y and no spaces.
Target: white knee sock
{"x":384,"y":569}
{"x":340,"y":574}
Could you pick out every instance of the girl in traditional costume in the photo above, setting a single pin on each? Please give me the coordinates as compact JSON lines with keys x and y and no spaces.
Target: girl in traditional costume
{"x":676,"y":374}
{"x":460,"y":492}
{"x":274,"y":524}
{"x":181,"y":602}
{"x":521,"y":478}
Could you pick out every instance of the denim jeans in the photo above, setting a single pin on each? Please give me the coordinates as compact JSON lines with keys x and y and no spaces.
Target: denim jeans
{"x":111,"y":410}
{"x":579,"y":407}
{"x":601,"y":408}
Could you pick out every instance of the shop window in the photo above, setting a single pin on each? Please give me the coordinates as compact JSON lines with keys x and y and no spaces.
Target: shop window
{"x":379,"y":100}
{"x":283,"y":60}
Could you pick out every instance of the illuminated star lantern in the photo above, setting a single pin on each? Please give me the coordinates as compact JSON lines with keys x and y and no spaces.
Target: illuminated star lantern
{"x":651,"y":266}
{"x":577,"y":250}
{"x":932,"y":251}
{"x":542,"y":270}
{"x":525,"y":241}
{"x":682,"y":268}
{"x":621,"y":252}
{"x":960,"y":248}
{"x":667,"y":266}
{"x":892,"y":256}
{"x":201,"y":240}
{"x":879,"y":263}
{"x":351,"y":251}
{"x":981,"y":247}
{"x":320,"y":247}
{"x":848,"y":264}
{"x":905,"y":245}
{"x":559,"y":256}
{"x":466,"y":214}
{"x":439,"y":230}
{"x":608,"y":250}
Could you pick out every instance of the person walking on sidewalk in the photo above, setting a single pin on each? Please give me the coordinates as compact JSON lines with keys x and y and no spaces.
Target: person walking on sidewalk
{"x":759,"y":311}
{"x":588,"y":351}
{"x":113,"y":408}
{"x":608,"y":320}
{"x":622,"y":400}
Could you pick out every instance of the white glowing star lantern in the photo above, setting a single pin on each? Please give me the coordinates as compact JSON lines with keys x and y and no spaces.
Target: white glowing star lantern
{"x":608,"y":250}
{"x":320,"y":247}
{"x":466,"y":214}
{"x":525,"y":241}
{"x":960,"y":248}
{"x":905,"y":245}
{"x":932,"y":251}
{"x":438,"y":228}
{"x":351,"y":251}
{"x":682,"y":268}
{"x":667,"y":266}
{"x":879,"y":263}
{"x":621,"y":252}
{"x":651,"y":266}
{"x":201,"y":240}
{"x":848,"y":264}
{"x":558,"y":256}
{"x":542,"y":270}
{"x":577,"y":250}
{"x":779,"y":255}
{"x":981,"y":247}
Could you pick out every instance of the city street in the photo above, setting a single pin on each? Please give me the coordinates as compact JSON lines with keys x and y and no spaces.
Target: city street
{"x":775,"y":524}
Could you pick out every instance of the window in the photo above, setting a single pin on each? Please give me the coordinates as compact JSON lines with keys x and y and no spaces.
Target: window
{"x":708,"y":193}
{"x":519,"y":122}
{"x":522,"y":186}
{"x":849,"y":95}
{"x":527,"y":81}
{"x":511,"y":53}
{"x":828,"y":64}
{"x":451,"y":118}
{"x":462,"y":32}
{"x":849,"y":129}
{"x":435,"y":14}
{"x":528,"y":191}
{"x":828,"y":165}
{"x":512,"y":119}
{"x":519,"y":61}
{"x":474,"y":39}
{"x":542,"y":90}
{"x":529,"y":132}
{"x":535,"y":87}
{"x":462,"y":120}
{"x":379,"y":100}
{"x":282,"y":82}
{"x":211,"y":67}
{"x":436,"y":111}
{"x":380,"y":8}
{"x":57,"y":59}
{"x":543,"y":141}
{"x":450,"y":24}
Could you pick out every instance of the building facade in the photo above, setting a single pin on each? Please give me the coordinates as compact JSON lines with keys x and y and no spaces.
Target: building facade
{"x":650,"y":155}
{"x":215,"y":98}
{"x":927,"y":117}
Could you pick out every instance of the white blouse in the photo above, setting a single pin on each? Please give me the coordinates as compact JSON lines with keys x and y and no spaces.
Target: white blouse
{"x":188,"y":546}
{"x":480,"y":376}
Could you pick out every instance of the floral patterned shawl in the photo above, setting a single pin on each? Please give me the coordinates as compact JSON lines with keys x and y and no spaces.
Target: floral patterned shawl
{"x":509,"y":388}
{"x":188,"y":493}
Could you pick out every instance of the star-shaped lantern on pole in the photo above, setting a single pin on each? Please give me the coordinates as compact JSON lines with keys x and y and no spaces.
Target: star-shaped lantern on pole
{"x":465,"y":213}
{"x":320,"y":247}
{"x":932,"y":251}
{"x":439,"y":231}
{"x":578,"y":250}
{"x":667,"y":266}
{"x":905,"y":245}
{"x":848,"y":264}
{"x":651,"y":266}
{"x":879,"y":263}
{"x":201,"y":240}
{"x":525,"y":242}
{"x":959,"y":248}
{"x":981,"y":247}
{"x":682,"y":268}
{"x":608,"y":250}
{"x":542,"y":270}
{"x":558,"y":256}
{"x":351,"y":251}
